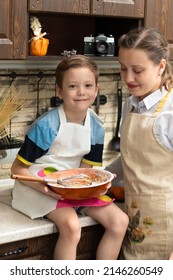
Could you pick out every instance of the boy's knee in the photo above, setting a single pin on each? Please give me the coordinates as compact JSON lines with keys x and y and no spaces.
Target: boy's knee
{"x":122,"y":223}
{"x":73,"y":227}
{"x":125,"y":220}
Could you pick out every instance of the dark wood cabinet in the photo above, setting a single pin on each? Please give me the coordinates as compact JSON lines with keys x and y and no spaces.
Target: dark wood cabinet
{"x":6,"y":44}
{"x":67,"y":32}
{"x":67,"y":22}
{"x":42,"y":247}
{"x":13,"y":29}
{"x":35,"y":248}
{"x":158,"y":14}
{"x":127,"y":8}
{"x":60,"y":6}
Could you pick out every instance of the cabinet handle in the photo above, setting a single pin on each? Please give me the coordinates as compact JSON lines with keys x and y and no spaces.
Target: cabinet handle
{"x":20,"y":250}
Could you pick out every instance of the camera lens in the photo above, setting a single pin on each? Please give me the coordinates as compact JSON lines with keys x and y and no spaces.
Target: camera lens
{"x":102,"y":47}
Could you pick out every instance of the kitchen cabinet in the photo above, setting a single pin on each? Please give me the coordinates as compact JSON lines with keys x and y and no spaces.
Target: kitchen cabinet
{"x":60,"y":6}
{"x":67,"y":22}
{"x":126,"y":8}
{"x":13,"y":29}
{"x":158,"y":14}
{"x":35,"y":248}
{"x":42,"y":247}
{"x":67,"y":32}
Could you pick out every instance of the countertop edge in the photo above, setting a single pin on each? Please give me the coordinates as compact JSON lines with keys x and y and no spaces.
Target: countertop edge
{"x":15,"y":226}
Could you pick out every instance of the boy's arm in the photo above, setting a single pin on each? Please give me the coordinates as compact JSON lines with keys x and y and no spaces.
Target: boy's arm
{"x":85,"y":165}
{"x":20,"y":168}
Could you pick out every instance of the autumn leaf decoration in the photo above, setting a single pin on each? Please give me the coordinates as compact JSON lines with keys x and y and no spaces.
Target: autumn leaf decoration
{"x":38,"y":44}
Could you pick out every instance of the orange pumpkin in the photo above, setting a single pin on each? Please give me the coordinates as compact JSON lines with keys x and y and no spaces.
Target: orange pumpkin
{"x":39,"y":46}
{"x":117,"y":193}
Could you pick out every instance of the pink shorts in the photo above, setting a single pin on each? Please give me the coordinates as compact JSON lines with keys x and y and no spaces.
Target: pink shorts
{"x":95,"y":201}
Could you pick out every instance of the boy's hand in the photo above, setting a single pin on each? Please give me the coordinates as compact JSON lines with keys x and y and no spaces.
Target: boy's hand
{"x":51,"y":193}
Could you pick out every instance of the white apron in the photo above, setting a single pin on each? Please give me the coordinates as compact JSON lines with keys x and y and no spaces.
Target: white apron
{"x":71,"y":144}
{"x":148,"y":182}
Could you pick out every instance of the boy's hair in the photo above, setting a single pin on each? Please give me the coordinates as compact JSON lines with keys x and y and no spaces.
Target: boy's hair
{"x":154,"y":44}
{"x":75,"y":61}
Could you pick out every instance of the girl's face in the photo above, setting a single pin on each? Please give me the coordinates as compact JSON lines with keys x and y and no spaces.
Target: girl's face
{"x":141,"y":75}
{"x":79,"y":89}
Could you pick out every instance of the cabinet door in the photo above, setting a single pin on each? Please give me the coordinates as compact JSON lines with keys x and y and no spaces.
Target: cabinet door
{"x":158,"y":14}
{"x":14,"y":251}
{"x":37,"y":248}
{"x":13,"y":29}
{"x":120,"y":8}
{"x":63,"y":6}
{"x":6,"y":44}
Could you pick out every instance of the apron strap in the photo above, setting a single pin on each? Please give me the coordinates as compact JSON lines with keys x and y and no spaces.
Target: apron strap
{"x":162,"y":103}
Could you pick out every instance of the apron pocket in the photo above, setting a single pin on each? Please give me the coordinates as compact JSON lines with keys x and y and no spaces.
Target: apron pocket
{"x":146,"y":235}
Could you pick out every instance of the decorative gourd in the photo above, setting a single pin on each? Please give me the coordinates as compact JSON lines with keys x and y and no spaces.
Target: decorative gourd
{"x":38,"y":44}
{"x":117,"y":193}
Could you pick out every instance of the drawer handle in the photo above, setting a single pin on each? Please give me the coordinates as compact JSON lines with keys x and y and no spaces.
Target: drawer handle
{"x":20,"y":250}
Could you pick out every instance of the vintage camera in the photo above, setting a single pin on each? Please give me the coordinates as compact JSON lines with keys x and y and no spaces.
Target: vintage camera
{"x":104,"y":46}
{"x":89,"y":45}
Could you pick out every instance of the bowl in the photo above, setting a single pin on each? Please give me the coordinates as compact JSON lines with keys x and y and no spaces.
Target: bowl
{"x":100,"y":183}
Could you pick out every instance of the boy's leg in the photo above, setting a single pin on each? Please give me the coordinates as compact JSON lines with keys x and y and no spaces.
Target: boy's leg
{"x":69,"y":228}
{"x":115,"y":222}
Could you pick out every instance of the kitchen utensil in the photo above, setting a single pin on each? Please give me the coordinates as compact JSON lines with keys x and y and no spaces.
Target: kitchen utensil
{"x":101,"y":182}
{"x":80,"y":178}
{"x":116,"y":139}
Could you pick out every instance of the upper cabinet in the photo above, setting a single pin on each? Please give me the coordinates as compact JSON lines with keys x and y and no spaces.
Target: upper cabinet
{"x":126,"y":8}
{"x":123,"y":8}
{"x":158,"y":14}
{"x":13,"y":29}
{"x":61,"y":6}
{"x":67,"y":22}
{"x":76,"y":20}
{"x":6,"y":44}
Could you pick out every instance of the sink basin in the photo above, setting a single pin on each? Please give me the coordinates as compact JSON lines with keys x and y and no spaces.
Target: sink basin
{"x":6,"y":186}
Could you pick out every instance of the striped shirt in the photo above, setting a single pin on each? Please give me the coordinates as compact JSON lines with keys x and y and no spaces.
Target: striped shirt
{"x":44,"y":130}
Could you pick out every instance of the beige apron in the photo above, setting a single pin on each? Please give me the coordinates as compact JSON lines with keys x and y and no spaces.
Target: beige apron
{"x":71,"y":144}
{"x":148,"y":182}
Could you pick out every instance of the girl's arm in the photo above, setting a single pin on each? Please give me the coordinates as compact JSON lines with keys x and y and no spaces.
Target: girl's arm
{"x":116,"y":168}
{"x":171,"y":256}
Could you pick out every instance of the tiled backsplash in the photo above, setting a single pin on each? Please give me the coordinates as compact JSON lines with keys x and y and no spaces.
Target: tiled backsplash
{"x":37,"y":96}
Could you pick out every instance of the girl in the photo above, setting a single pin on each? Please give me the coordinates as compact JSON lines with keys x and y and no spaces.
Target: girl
{"x":147,"y":145}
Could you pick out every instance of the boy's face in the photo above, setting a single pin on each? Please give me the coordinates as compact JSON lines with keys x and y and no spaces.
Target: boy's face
{"x":79,"y":88}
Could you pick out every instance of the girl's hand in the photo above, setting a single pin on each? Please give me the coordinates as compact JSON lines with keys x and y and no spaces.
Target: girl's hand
{"x":171,"y":256}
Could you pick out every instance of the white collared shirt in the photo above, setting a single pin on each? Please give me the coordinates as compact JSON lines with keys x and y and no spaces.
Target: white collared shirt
{"x":163,"y":126}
